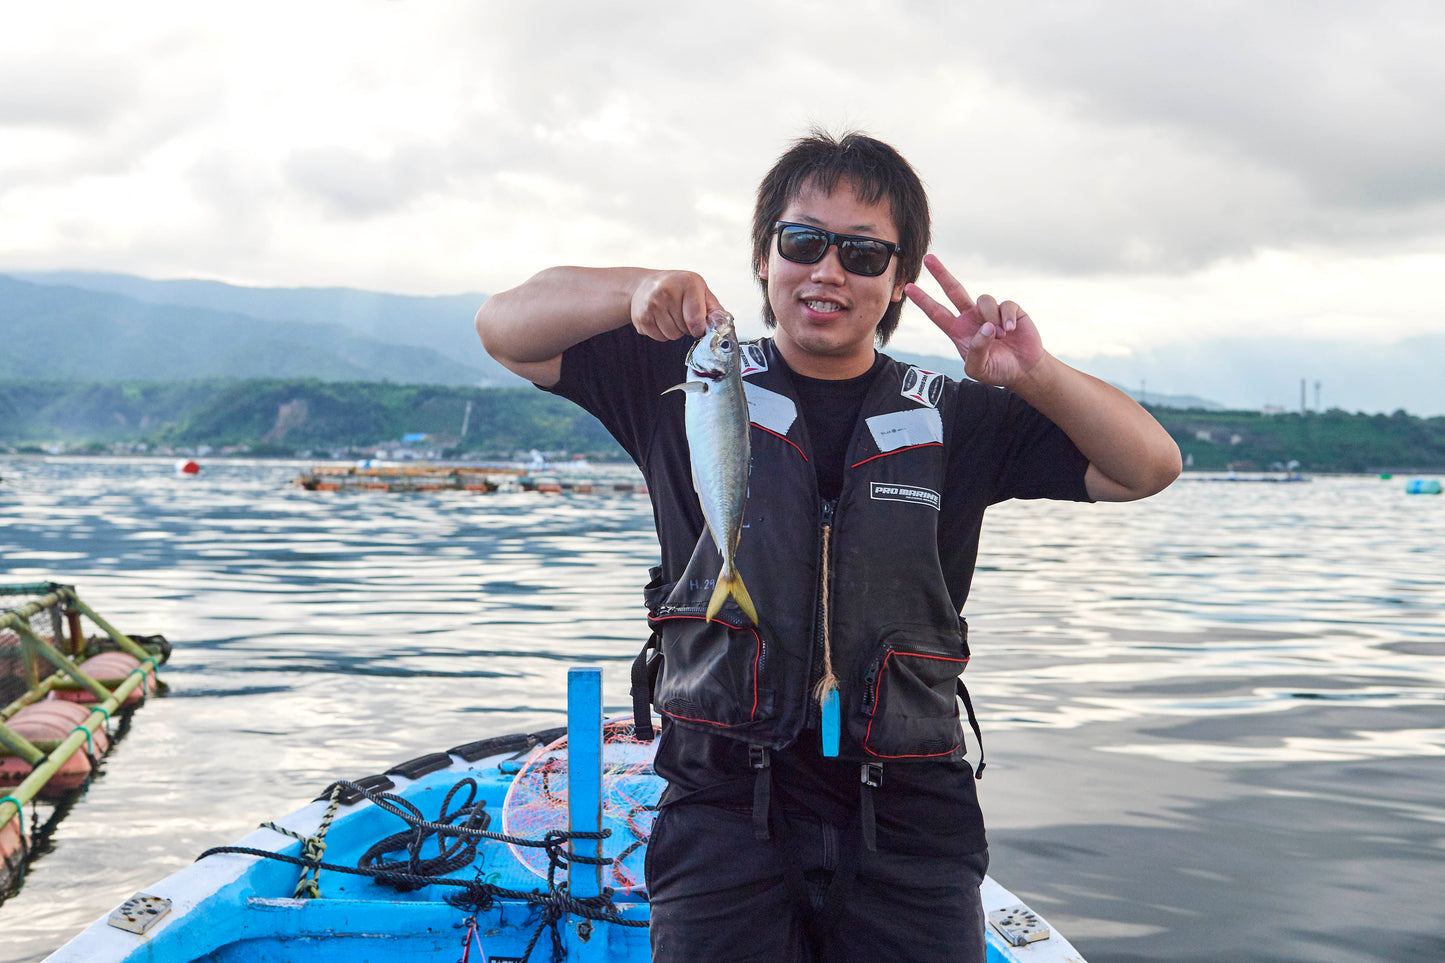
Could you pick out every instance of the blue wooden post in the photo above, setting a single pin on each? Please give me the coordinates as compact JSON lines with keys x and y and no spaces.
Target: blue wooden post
{"x":584,"y":801}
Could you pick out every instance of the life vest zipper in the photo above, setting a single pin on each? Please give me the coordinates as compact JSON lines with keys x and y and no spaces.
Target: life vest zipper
{"x":870,"y":682}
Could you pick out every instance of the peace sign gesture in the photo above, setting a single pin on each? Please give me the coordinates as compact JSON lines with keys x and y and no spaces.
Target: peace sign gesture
{"x":998,"y":342}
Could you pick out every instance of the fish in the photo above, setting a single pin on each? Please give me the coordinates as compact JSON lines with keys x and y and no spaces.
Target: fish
{"x":716,"y":419}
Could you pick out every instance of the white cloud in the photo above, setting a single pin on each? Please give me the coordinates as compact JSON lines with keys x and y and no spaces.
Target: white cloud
{"x":1134,"y":173}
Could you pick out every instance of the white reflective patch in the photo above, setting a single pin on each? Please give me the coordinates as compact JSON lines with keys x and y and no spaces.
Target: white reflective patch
{"x":754,"y":360}
{"x":884,"y":492}
{"x":770,"y":410}
{"x":902,"y":429}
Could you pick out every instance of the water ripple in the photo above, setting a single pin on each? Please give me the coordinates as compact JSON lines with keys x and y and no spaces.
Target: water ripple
{"x":1221,"y":706}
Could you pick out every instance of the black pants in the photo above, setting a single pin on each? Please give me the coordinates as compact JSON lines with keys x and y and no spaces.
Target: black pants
{"x":718,"y":893}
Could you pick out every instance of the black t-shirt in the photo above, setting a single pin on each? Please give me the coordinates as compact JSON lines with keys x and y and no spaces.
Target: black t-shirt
{"x":830,"y":409}
{"x":1000,"y":448}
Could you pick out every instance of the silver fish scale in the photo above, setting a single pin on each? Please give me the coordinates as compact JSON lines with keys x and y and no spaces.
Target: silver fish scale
{"x":716,"y":419}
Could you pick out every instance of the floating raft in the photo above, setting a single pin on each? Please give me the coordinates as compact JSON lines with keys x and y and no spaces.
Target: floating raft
{"x":434,"y":478}
{"x":62,"y":689}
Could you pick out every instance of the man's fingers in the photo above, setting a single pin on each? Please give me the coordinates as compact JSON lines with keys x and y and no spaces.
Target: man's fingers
{"x":976,"y":358}
{"x":698,"y":302}
{"x":672,"y":305}
{"x":936,"y":312}
{"x":662,"y":326}
{"x":1008,"y":315}
{"x":987,"y":308}
{"x":694,"y":313}
{"x":953,"y":289}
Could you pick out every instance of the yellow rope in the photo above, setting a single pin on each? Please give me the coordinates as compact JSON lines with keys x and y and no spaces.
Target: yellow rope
{"x":312,"y":848}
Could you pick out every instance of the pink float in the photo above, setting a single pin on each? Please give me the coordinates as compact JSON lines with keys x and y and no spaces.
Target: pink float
{"x":54,"y":719}
{"x":112,"y":668}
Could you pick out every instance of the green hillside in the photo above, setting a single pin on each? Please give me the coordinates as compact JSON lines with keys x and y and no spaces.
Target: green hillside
{"x":1329,"y":441}
{"x":282,"y":417}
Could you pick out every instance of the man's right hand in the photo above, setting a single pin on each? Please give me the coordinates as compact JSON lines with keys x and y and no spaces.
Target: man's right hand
{"x":668,"y":305}
{"x":528,"y":327}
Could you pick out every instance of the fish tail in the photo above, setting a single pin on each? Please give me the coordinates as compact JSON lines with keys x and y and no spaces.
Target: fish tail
{"x":730,"y":583}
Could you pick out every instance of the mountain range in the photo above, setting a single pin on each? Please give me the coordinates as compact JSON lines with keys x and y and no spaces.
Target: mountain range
{"x":104,"y":327}
{"x":91,"y":326}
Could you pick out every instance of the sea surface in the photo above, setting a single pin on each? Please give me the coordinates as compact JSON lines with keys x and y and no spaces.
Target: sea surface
{"x":1215,"y":720}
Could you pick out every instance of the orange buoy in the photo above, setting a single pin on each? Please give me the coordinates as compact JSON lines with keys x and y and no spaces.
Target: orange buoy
{"x":112,"y":668}
{"x":54,"y":719}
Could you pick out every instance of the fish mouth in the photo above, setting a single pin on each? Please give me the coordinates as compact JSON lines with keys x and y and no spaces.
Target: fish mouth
{"x":711,"y":374}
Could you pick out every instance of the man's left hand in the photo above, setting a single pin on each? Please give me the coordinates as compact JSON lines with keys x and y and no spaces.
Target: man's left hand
{"x":997,"y":341}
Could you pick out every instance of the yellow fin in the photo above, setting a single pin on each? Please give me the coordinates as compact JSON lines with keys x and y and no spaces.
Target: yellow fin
{"x":731,"y":585}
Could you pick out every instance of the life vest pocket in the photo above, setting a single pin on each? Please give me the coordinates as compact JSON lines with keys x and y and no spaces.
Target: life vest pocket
{"x":909,"y":695}
{"x":712,"y":672}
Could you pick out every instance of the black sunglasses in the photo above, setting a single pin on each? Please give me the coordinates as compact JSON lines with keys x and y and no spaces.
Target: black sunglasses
{"x":805,"y":244}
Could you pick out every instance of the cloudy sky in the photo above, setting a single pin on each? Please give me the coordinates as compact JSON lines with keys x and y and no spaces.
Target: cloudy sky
{"x":1141,"y":176}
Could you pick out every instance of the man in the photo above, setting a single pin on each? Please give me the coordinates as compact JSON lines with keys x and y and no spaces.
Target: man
{"x":868,"y":484}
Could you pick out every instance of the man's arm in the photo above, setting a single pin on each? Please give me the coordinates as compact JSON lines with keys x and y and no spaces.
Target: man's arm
{"x":1130,"y":454}
{"x":528,"y":327}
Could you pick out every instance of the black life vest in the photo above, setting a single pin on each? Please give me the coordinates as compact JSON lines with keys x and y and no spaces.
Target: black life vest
{"x":898,"y":643}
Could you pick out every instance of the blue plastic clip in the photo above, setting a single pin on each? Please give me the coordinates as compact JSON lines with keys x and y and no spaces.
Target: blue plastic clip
{"x":832,"y":724}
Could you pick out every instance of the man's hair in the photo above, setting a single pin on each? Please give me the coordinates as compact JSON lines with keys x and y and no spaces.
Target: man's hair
{"x":876,"y":172}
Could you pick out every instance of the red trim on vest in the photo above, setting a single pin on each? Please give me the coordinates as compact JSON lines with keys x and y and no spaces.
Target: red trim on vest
{"x":878,"y":687}
{"x":926,"y":444}
{"x":757,"y":657}
{"x":776,"y":435}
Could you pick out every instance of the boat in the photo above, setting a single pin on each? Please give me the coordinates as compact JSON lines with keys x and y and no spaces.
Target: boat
{"x":516,"y":847}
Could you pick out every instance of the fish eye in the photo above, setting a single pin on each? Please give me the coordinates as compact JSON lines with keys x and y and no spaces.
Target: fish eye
{"x":725,"y":344}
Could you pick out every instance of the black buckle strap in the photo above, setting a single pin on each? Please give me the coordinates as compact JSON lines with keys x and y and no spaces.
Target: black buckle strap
{"x":644,"y":679}
{"x":871,"y":775}
{"x":762,"y":789}
{"x":973,"y":722}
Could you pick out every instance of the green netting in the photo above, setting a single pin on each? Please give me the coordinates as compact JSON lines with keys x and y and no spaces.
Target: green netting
{"x":46,"y":623}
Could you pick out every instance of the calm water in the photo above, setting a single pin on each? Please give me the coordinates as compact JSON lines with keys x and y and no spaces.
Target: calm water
{"x":1215,"y":720}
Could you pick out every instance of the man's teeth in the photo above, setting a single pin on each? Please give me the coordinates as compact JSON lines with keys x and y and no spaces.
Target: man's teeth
{"x":823,"y":306}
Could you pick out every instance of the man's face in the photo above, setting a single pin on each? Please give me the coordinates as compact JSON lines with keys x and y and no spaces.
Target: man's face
{"x":827,"y":317}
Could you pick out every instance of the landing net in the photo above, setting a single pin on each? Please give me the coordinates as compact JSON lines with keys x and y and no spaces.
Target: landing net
{"x":536,"y":803}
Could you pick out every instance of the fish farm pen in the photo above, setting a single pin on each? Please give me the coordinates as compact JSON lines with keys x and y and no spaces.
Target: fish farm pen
{"x":61,"y":689}
{"x":432,"y":478}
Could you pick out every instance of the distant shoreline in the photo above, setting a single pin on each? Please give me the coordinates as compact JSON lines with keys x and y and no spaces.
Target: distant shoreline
{"x":311,"y":419}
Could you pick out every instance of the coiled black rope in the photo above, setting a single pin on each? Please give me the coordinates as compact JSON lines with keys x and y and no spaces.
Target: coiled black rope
{"x":474,"y":895}
{"x":461,"y":851}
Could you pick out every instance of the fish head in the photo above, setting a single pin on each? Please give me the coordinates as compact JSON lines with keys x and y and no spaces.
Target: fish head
{"x":717,"y":353}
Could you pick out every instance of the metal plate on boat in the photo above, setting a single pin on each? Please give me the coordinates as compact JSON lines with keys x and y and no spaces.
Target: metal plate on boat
{"x":139,"y":913}
{"x":1019,"y":925}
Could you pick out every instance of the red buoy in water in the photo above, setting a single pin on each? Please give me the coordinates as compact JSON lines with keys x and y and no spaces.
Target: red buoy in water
{"x":54,"y":719}
{"x":111,"y":668}
{"x":188,"y":467}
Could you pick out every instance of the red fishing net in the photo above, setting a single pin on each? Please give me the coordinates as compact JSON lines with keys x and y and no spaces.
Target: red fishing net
{"x":536,"y":803}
